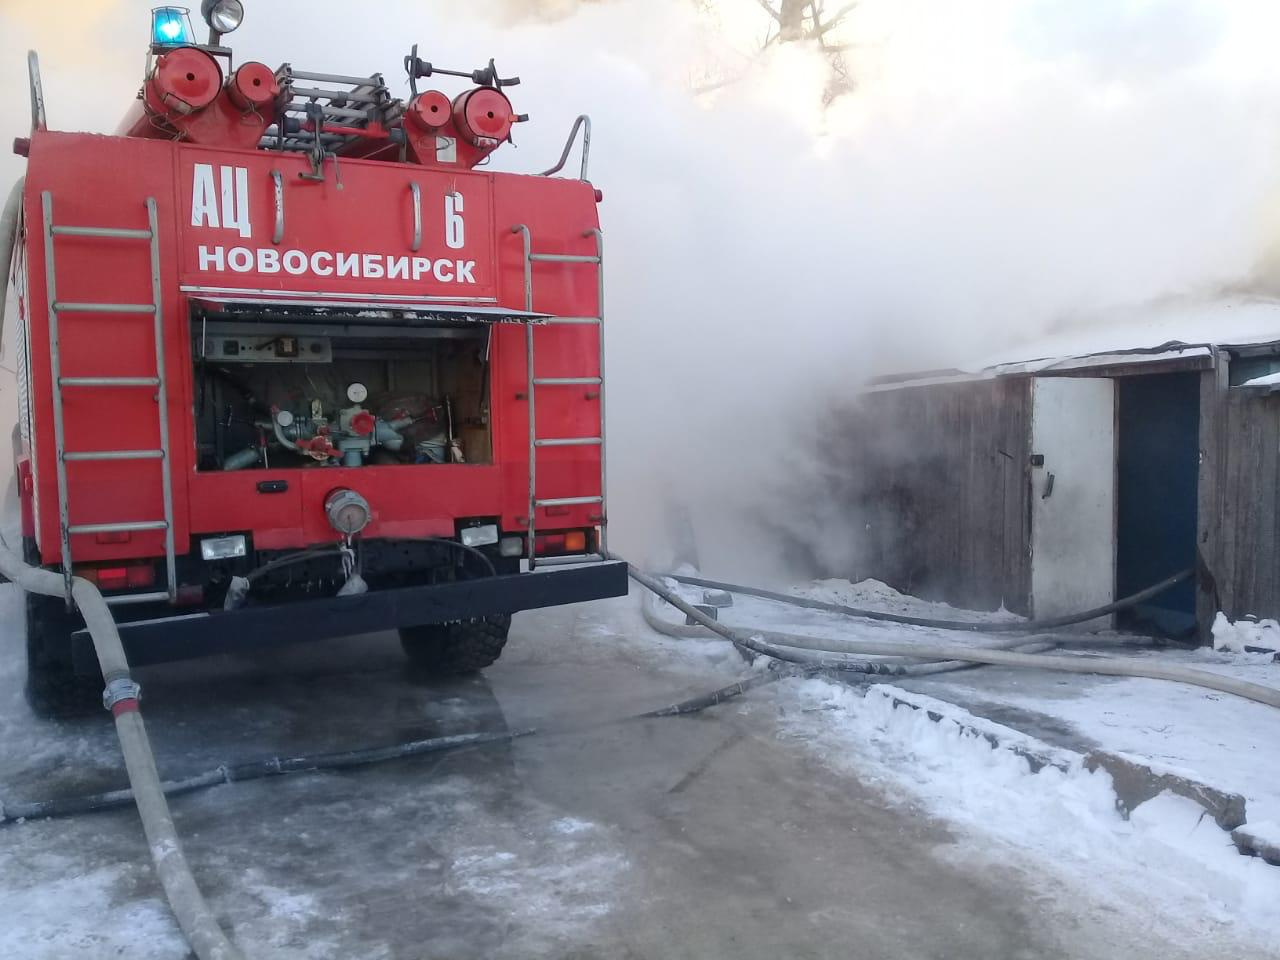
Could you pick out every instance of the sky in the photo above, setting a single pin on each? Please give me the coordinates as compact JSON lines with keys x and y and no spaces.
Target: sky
{"x":1002,"y":170}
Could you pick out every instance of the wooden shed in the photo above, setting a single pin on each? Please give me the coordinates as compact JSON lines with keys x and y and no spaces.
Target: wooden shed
{"x":1061,"y":483}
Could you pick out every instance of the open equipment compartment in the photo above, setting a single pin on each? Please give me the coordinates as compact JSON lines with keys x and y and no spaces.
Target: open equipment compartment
{"x":305,"y":385}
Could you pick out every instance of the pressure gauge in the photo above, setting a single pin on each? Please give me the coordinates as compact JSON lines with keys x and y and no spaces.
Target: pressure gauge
{"x":357,"y":393}
{"x":284,"y":418}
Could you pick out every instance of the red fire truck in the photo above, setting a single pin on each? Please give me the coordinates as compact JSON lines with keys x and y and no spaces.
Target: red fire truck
{"x":293,"y":366}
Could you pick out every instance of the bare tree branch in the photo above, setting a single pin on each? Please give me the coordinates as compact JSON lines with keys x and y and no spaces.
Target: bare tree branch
{"x":838,"y":17}
{"x":797,"y":20}
{"x":769,"y":9}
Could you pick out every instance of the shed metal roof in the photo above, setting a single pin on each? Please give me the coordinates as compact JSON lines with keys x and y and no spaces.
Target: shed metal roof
{"x":1182,"y":332}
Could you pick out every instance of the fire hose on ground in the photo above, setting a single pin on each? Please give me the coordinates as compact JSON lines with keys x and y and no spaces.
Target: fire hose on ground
{"x":795,"y":656}
{"x":838,"y":655}
{"x":798,"y":656}
{"x":121,"y":698}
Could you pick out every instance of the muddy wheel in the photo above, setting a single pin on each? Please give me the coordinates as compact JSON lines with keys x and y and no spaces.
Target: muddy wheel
{"x":449,"y":649}
{"x":53,"y":687}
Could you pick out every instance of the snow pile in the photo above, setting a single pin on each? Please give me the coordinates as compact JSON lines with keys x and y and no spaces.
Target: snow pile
{"x":1266,"y":380}
{"x":1168,"y":858}
{"x":1234,"y":637}
{"x":882,"y":598}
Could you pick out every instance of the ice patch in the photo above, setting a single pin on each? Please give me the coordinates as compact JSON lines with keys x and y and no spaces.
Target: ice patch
{"x":78,"y":915}
{"x":572,"y":888}
{"x":571,"y":825}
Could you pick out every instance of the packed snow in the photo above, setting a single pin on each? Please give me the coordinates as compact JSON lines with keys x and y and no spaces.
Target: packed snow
{"x":1219,"y":740}
{"x":1237,"y":637}
{"x":1167,"y":856}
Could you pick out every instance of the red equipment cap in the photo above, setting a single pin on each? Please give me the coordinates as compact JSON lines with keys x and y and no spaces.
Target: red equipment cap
{"x":483,"y":114}
{"x":253,"y":86}
{"x":363,"y":423}
{"x":430,"y":109}
{"x":184,"y":81}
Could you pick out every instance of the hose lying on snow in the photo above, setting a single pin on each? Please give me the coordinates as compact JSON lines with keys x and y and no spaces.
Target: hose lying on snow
{"x":797,"y":651}
{"x":972,"y":626}
{"x":121,"y":698}
{"x":895,"y":666}
{"x":252,"y":770}
{"x":837,"y":654}
{"x":281,"y":766}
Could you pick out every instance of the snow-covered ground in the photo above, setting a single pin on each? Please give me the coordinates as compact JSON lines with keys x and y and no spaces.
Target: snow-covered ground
{"x":794,"y":821}
{"x":1167,"y":859}
{"x":1167,"y":856}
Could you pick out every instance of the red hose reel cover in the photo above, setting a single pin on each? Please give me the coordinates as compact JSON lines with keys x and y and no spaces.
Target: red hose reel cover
{"x":184,"y":81}
{"x":483,"y":116}
{"x":430,"y":110}
{"x":253,"y":86}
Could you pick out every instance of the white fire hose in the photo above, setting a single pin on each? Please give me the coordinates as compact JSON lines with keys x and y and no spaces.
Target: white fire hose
{"x":835,"y":654}
{"x":121,"y":697}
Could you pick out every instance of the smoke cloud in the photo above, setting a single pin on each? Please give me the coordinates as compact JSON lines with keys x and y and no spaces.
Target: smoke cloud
{"x":1000,"y":171}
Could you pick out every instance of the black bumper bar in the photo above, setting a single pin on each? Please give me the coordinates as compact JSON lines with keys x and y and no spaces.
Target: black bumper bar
{"x":185,"y":636}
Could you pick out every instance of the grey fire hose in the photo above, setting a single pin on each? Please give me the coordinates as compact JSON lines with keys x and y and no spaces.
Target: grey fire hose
{"x":898,"y":666}
{"x":835,"y":654}
{"x":972,"y":626}
{"x":121,"y":697}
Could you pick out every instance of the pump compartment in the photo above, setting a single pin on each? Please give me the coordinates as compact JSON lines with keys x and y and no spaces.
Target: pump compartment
{"x":307,"y":388}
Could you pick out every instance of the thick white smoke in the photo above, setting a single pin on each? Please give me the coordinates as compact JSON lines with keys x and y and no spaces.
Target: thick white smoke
{"x":1001,"y":170}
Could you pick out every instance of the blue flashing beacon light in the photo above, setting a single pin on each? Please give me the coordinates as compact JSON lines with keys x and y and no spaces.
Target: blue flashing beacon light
{"x":171,"y":27}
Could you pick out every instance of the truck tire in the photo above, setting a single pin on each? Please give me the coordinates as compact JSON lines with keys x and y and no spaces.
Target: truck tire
{"x":450,"y":649}
{"x":54,"y":690}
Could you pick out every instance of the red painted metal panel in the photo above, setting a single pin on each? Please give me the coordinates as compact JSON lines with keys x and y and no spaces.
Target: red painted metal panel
{"x":351,"y":233}
{"x":103,"y":181}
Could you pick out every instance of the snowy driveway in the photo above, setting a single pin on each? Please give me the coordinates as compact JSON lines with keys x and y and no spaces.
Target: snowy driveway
{"x":758,"y":829}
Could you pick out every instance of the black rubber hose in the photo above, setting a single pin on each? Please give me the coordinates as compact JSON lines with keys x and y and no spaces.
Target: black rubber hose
{"x":314,"y":553}
{"x":281,"y":766}
{"x":728,"y":692}
{"x":289,"y":559}
{"x":493,"y":571}
{"x":253,"y":770}
{"x":971,"y":626}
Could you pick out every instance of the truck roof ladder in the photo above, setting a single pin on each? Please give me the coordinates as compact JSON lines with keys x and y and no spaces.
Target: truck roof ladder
{"x":156,"y":383}
{"x":535,"y":382}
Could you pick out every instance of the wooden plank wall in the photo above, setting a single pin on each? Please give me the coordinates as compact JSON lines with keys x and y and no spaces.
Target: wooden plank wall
{"x":1240,"y":523}
{"x":938,"y":476}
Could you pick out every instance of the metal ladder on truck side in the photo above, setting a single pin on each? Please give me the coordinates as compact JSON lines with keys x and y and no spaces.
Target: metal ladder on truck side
{"x":156,"y":383}
{"x":535,"y":382}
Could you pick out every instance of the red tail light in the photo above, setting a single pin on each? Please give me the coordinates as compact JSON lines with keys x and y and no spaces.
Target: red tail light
{"x":548,"y":543}
{"x":121,"y":576}
{"x":574,"y":541}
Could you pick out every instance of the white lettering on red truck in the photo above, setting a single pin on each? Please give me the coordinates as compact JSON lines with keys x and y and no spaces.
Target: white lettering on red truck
{"x":220,"y":199}
{"x":227,"y":208}
{"x":325,"y":263}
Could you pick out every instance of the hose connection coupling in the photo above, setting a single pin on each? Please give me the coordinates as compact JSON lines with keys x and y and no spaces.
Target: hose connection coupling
{"x":121,"y":695}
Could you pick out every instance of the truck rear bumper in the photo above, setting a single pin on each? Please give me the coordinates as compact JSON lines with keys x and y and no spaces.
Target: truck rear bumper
{"x":186,"y":636}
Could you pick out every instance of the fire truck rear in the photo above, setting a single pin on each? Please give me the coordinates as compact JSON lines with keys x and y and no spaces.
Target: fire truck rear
{"x":292,"y":367}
